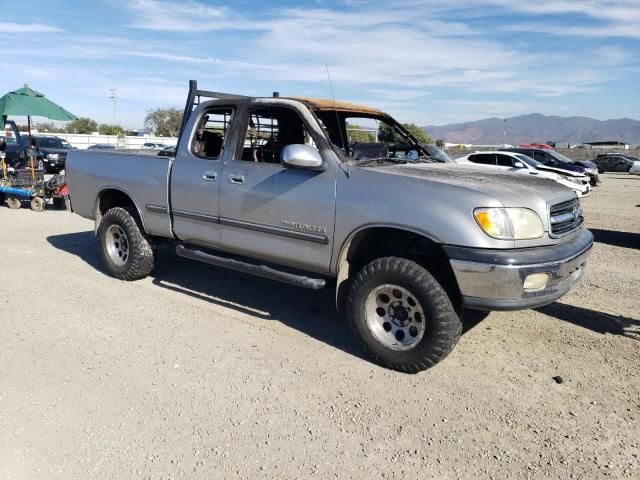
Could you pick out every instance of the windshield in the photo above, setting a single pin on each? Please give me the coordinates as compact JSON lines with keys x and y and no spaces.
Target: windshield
{"x":528,"y":160}
{"x":367,"y":138}
{"x":559,"y":156}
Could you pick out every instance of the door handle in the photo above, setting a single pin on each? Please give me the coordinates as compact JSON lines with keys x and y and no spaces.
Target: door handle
{"x":210,"y":176}
{"x":236,"y":179}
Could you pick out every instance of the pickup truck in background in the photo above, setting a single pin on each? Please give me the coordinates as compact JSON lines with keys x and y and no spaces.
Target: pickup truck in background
{"x":17,"y":149}
{"x":276,"y":187}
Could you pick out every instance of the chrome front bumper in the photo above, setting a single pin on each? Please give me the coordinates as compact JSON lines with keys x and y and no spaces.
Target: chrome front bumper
{"x":494,"y":279}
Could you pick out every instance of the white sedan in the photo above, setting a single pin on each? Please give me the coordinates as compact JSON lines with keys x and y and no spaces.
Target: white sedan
{"x":524,"y":165}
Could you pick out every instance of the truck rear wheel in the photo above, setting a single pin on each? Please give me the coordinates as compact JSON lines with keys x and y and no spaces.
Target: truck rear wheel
{"x":126,"y":252}
{"x":401,"y":314}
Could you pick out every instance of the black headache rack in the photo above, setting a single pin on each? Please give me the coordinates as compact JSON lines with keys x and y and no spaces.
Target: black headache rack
{"x":195,"y":98}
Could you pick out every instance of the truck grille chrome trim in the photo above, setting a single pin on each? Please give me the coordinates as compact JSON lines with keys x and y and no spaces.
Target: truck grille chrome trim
{"x":565,"y":218}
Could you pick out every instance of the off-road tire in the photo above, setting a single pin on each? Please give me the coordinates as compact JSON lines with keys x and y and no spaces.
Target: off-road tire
{"x":140,"y":259}
{"x":443,"y":327}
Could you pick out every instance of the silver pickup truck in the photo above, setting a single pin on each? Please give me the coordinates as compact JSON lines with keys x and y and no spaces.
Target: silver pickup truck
{"x":278,"y":187}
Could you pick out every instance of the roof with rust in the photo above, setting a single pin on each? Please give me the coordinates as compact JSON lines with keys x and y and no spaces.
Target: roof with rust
{"x":324,"y":104}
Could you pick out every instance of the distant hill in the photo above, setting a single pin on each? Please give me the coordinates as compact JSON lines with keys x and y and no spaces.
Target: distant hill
{"x":539,"y":128}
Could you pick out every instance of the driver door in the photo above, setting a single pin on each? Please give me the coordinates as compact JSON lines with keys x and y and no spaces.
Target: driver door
{"x":271,"y":211}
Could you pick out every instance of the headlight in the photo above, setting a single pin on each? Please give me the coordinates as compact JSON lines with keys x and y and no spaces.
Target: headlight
{"x":509,"y":223}
{"x":574,"y":180}
{"x":52,"y":156}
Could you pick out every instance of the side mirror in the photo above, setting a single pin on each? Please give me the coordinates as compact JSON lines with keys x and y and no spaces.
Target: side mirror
{"x":299,"y":155}
{"x":518,"y":164}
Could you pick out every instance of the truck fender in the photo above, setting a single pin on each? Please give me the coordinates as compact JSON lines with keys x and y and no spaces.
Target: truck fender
{"x":98,"y":212}
{"x":343,"y":266}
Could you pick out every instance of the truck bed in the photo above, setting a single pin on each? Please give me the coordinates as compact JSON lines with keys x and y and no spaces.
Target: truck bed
{"x":142,"y":177}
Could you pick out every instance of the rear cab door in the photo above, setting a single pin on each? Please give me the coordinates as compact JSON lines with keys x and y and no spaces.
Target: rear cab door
{"x":208,"y":142}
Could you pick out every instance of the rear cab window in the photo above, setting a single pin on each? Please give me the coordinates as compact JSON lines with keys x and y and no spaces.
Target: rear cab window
{"x":211,"y":133}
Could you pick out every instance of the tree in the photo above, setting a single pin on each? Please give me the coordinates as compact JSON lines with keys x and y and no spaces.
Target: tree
{"x":49,"y":127}
{"x":387,"y":134}
{"x":164,"y":122}
{"x":82,"y":125}
{"x":355,"y":133}
{"x":417,"y":132}
{"x":106,"y":129}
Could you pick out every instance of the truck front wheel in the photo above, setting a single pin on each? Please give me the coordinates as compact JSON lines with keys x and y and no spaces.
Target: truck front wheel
{"x":126,"y":252}
{"x":401,"y":314}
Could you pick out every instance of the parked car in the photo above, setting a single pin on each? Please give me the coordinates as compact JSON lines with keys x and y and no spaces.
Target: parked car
{"x":17,"y":149}
{"x":53,"y":151}
{"x":271,"y":187}
{"x":524,"y":165}
{"x":153,"y":145}
{"x":614,"y":162}
{"x":167,"y":152}
{"x":551,"y":158}
{"x":101,"y":146}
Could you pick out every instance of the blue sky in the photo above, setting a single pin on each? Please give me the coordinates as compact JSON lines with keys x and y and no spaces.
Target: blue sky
{"x":427,"y":62}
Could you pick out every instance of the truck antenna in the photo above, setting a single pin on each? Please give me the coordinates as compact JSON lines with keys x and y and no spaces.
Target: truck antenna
{"x":335,"y":104}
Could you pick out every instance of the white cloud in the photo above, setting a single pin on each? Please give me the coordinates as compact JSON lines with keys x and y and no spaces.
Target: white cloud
{"x":8,"y":27}
{"x":178,"y":16}
{"x":399,"y":55}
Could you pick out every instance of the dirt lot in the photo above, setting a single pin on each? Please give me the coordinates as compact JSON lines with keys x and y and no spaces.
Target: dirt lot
{"x":203,"y":373}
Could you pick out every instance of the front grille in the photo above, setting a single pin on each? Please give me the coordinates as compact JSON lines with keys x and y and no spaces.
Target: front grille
{"x":565,"y":217}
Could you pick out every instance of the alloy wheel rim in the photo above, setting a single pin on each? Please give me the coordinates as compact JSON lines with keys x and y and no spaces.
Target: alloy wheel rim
{"x":117,"y":245}
{"x":395,"y":317}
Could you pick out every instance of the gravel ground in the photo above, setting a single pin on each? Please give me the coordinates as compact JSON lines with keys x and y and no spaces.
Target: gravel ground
{"x":203,"y":373}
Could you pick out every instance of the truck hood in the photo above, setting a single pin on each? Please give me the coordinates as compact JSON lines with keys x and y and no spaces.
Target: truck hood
{"x":511,"y":190}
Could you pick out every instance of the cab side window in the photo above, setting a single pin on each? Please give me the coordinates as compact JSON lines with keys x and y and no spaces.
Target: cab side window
{"x":505,"y":160}
{"x":484,"y":158}
{"x":211,"y":133}
{"x":269,"y":130}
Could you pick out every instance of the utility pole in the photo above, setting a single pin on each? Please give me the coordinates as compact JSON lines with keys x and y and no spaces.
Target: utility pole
{"x":504,"y":133}
{"x":114,"y":99}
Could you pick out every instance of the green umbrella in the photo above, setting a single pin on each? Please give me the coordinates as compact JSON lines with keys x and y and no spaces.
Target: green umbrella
{"x":28,"y":102}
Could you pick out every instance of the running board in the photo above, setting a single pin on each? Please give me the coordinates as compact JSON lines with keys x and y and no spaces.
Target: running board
{"x":252,"y":269}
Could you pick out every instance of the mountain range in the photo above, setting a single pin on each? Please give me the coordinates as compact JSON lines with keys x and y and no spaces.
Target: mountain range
{"x":538,"y":128}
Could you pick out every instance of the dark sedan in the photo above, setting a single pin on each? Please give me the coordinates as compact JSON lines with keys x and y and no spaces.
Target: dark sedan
{"x":614,"y":162}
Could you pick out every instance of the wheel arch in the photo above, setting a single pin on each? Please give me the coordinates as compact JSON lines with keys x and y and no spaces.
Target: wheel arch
{"x":111,"y":197}
{"x":374,"y":241}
